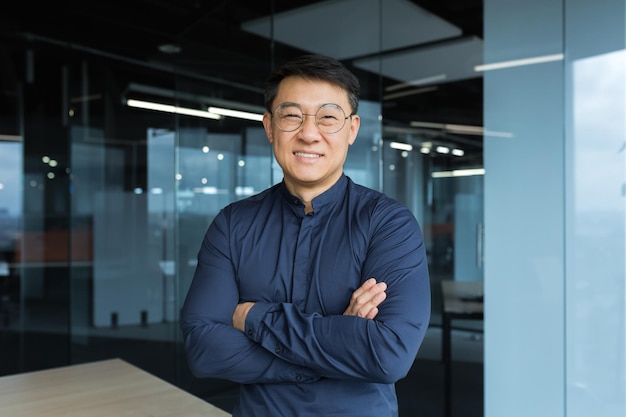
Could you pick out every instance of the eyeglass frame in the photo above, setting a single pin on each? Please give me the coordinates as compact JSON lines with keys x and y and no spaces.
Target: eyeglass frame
{"x":314,"y":115}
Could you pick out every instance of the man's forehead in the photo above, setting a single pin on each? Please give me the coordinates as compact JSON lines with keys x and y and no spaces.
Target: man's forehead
{"x":316,"y":91}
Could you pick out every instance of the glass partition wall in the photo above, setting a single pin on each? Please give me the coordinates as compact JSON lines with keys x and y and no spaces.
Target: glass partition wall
{"x":112,"y":166}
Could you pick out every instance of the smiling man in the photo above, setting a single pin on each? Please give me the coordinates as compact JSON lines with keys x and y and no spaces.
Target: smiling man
{"x":314,"y":294}
{"x":310,"y":133}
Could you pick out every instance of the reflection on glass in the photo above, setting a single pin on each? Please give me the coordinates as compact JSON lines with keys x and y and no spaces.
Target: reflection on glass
{"x":10,"y":220}
{"x":10,"y":178}
{"x":596,"y":308}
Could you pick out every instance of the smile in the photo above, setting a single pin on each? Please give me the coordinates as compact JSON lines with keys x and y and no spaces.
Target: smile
{"x":307,"y":155}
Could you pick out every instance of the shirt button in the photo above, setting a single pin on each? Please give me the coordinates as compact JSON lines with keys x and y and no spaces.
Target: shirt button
{"x":278,"y":350}
{"x":298,"y":377}
{"x":249,"y":332}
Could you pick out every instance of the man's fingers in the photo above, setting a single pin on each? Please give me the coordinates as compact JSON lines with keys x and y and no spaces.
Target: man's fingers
{"x":370,"y":295}
{"x":373,"y":313}
{"x":367,"y":285}
{"x":366,"y":299}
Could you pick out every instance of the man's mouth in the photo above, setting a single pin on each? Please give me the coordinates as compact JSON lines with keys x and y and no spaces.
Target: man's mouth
{"x":307,"y":155}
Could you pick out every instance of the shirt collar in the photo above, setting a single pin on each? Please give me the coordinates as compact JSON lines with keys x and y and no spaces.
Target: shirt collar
{"x":331,"y":195}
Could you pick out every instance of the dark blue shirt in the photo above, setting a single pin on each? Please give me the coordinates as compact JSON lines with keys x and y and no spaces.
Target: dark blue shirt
{"x":299,"y":356}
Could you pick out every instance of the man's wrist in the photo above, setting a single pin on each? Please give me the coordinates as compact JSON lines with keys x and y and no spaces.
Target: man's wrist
{"x":240,"y":314}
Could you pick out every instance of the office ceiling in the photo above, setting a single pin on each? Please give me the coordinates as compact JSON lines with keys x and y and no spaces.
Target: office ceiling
{"x":428,"y":46}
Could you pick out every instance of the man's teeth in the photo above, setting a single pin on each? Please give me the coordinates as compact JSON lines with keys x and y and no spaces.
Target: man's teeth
{"x":307,"y":155}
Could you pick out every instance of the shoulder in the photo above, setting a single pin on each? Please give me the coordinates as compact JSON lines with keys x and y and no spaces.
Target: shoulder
{"x":377,"y":203}
{"x":385,"y":218}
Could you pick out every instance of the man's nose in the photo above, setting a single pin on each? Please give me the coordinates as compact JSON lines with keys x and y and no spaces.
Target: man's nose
{"x":309,"y":126}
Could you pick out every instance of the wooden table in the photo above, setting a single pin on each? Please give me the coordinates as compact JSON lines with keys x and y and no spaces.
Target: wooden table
{"x":461,"y":300}
{"x":107,"y":388}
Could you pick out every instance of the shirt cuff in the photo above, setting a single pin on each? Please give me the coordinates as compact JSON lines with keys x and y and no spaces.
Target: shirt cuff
{"x":254,"y":319}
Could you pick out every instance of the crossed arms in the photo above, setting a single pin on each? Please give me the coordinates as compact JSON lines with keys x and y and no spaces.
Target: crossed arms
{"x":375,"y":339}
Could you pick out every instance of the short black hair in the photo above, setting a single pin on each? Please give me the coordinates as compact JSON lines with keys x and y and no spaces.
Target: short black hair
{"x":314,"y":67}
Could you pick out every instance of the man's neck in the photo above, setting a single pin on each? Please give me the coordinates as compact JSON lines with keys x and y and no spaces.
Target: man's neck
{"x":306,"y":196}
{"x":306,"y":193}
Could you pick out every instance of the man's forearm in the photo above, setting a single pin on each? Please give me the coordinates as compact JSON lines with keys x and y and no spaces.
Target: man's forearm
{"x":363,"y":303}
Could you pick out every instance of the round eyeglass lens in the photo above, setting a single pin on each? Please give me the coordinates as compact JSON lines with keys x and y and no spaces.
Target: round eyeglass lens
{"x":329,"y":118}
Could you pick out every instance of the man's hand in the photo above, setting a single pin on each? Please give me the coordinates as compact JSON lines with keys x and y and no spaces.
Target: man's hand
{"x":363,"y":303}
{"x":239,"y":315}
{"x":366,"y":299}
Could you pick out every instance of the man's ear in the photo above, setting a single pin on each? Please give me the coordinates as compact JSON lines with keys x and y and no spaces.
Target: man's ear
{"x":355,"y":123}
{"x":267,"y":125}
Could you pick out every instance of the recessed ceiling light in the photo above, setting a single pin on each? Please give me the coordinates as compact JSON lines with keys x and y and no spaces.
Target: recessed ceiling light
{"x":169,"y":48}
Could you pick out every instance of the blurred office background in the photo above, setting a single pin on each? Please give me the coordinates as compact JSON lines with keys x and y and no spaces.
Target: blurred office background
{"x":499,"y":123}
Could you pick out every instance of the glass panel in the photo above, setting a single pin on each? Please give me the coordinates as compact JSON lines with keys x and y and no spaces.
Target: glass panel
{"x":122,"y":176}
{"x":432,"y":161}
{"x":596,"y":235}
{"x":524,"y":209}
{"x":11,"y":209}
{"x":362,"y":164}
{"x":106,"y":246}
{"x":11,"y":168}
{"x":44,"y":255}
{"x":432,"y":158}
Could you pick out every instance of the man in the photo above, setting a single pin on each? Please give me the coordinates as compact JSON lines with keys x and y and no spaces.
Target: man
{"x":313,"y":294}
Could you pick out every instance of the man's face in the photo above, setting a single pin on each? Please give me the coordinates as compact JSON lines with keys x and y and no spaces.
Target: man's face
{"x":311,"y":159}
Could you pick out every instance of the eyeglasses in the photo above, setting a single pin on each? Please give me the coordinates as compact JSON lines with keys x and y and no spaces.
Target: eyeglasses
{"x":329,"y":118}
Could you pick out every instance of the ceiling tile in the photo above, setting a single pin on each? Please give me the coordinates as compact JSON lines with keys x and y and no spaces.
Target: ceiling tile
{"x":350,"y":28}
{"x":445,"y":62}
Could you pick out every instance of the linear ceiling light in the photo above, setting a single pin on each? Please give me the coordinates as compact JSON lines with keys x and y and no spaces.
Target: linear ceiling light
{"x":409,"y":92}
{"x":401,"y":146}
{"x":459,"y":173}
{"x":466,"y":129}
{"x":236,"y":113}
{"x":171,"y":109}
{"x":428,"y":125}
{"x":495,"y":134}
{"x":452,"y":128}
{"x":519,"y":62}
{"x":414,"y":83}
{"x":10,"y":138}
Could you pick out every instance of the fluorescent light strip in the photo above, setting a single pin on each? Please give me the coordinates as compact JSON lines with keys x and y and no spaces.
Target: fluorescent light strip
{"x":410,"y":92}
{"x":519,"y":62}
{"x":171,"y":109}
{"x":428,"y":125}
{"x":414,"y":83}
{"x":459,"y":173}
{"x":496,"y":134}
{"x":462,"y":129}
{"x":466,"y":129}
{"x":236,"y":113}
{"x":10,"y":138}
{"x":469,"y":130}
{"x":401,"y":146}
